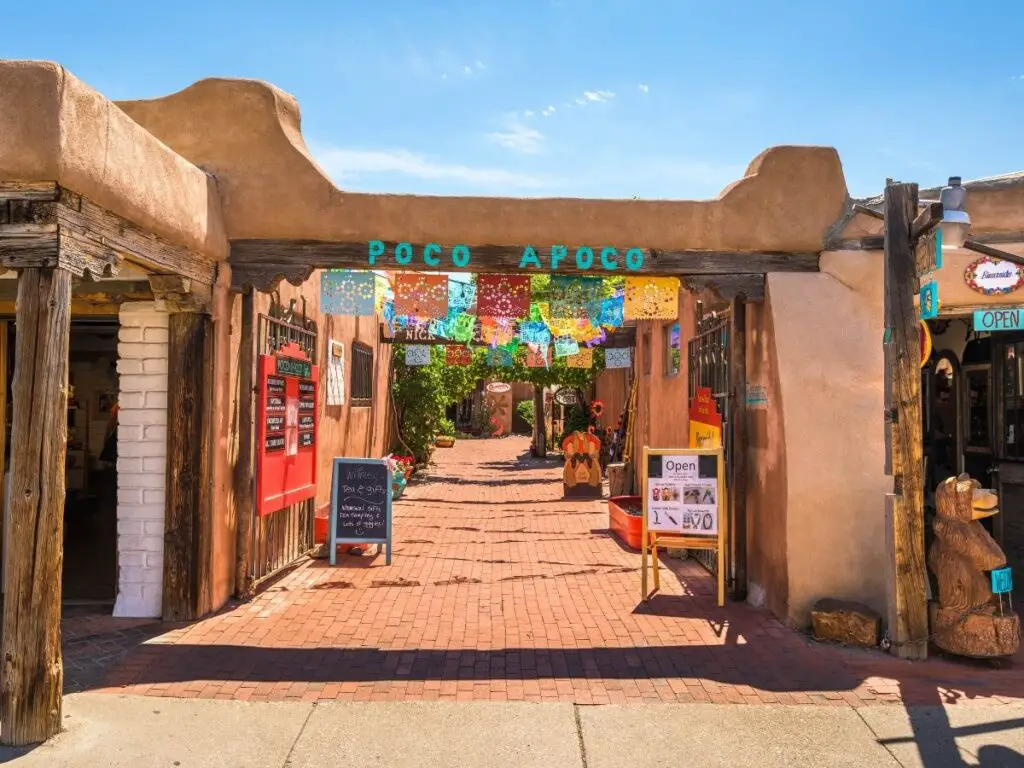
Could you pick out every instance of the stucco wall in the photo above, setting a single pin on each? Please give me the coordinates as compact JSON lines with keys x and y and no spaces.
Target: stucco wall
{"x":344,"y":430}
{"x":827,"y":332}
{"x":767,"y":572}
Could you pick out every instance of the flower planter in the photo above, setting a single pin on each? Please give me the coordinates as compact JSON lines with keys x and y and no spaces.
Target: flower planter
{"x":444,"y":442}
{"x":629,"y":528}
{"x":321,"y":529}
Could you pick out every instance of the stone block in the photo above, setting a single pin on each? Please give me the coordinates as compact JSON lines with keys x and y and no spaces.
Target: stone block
{"x":846,"y":622}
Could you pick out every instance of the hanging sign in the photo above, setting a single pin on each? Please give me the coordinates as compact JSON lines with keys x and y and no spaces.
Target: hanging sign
{"x":1008,"y":319}
{"x":705,"y":420}
{"x":360,"y":504}
{"x":926,"y":347}
{"x":993,"y":276}
{"x":928,"y":253}
{"x":554,"y":258}
{"x":929,"y":300}
{"x":286,"y":460}
{"x":683,"y":502}
{"x":567,"y":397}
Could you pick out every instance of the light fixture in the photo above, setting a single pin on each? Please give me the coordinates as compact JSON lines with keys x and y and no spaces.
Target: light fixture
{"x":955,"y":224}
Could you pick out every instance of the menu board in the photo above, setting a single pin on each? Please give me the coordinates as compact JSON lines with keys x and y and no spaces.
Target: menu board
{"x":682,"y":494}
{"x":360,"y":504}
{"x":286,"y":458}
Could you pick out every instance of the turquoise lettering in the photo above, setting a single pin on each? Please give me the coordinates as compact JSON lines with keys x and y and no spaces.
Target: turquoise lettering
{"x":606,"y":260}
{"x":375,"y":248}
{"x":428,"y":259}
{"x":460,"y":256}
{"x":558,"y":252}
{"x":403,"y":253}
{"x":586,"y":263}
{"x":634,"y":258}
{"x":529,"y":257}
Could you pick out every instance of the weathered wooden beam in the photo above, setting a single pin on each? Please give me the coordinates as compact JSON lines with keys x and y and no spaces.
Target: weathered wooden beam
{"x":28,"y":190}
{"x":926,"y":220}
{"x":30,"y":686}
{"x":867,"y":211}
{"x":187,"y":525}
{"x":995,"y":253}
{"x":728,"y":287}
{"x":34,"y":216}
{"x":181,"y":294}
{"x":245,"y":510}
{"x":908,"y":604}
{"x":113,"y":291}
{"x":264,"y":263}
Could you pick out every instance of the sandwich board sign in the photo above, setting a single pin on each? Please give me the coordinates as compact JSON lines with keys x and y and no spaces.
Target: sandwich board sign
{"x":684,"y":506}
{"x":360,"y":504}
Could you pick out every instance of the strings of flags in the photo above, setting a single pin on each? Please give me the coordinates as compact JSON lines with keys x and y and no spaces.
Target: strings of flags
{"x":571,"y":317}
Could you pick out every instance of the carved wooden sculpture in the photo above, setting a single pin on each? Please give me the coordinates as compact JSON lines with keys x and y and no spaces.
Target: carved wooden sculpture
{"x":582,"y":471}
{"x":967,"y":621}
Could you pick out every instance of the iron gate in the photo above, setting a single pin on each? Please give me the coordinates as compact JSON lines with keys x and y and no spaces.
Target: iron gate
{"x":708,"y":360}
{"x":284,"y":536}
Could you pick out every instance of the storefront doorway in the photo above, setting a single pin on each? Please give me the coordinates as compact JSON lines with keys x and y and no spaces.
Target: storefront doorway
{"x":973,"y":397}
{"x":90,"y":506}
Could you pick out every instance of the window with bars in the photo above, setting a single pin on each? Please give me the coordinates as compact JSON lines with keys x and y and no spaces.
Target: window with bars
{"x":362,"y":375}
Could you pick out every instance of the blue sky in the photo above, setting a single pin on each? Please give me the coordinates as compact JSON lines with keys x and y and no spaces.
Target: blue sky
{"x":590,"y":98}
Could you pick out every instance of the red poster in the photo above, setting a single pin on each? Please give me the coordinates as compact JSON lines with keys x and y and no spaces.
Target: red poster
{"x":704,"y":409}
{"x":286,"y":460}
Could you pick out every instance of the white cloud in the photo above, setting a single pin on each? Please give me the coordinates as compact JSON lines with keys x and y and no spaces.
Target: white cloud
{"x":478,"y":64}
{"x":350,"y":168}
{"x":644,"y":87}
{"x":596,"y":96}
{"x":468,"y":70}
{"x":518,"y":137}
{"x":548,"y":111}
{"x":528,"y":113}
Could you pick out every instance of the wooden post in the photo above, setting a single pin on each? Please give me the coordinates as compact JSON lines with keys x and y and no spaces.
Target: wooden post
{"x":738,"y":454}
{"x":908,"y":606}
{"x":244,"y":494}
{"x":30,"y":692}
{"x":188,"y":517}
{"x":540,"y":438}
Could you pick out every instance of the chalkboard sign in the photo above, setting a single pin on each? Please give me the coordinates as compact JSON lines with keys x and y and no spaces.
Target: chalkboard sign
{"x":360,"y":504}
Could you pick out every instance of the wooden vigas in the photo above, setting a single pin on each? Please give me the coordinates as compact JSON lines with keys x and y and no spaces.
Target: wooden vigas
{"x":967,"y":619}
{"x":582,"y":473}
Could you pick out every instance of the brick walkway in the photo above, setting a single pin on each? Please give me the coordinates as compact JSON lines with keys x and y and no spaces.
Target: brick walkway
{"x":501,"y":590}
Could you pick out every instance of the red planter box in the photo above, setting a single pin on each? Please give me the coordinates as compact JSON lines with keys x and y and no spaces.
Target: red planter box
{"x":629,"y":528}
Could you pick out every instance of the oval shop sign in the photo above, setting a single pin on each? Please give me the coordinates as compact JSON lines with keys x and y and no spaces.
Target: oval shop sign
{"x":992,"y":276}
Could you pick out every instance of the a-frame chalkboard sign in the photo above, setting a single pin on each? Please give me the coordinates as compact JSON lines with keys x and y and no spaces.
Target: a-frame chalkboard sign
{"x":360,"y":504}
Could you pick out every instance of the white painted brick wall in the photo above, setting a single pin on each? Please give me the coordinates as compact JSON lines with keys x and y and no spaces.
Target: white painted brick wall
{"x":141,"y":458}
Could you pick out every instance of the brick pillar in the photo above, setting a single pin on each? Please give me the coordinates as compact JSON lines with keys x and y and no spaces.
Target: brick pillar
{"x":141,"y":458}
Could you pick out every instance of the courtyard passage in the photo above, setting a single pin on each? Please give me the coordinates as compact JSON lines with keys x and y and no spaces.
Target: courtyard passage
{"x":500,"y":589}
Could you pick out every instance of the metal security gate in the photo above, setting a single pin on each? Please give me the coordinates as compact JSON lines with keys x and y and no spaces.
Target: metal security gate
{"x":284,"y":536}
{"x":708,"y":359}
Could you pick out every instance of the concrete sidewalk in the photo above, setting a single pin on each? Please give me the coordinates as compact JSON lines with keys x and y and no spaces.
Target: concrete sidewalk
{"x":115,"y":731}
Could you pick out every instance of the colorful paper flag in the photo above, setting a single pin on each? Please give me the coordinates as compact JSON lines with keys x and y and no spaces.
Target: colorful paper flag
{"x":499,"y":357}
{"x":565,"y":346}
{"x":503,"y":295}
{"x":461,"y":296}
{"x":538,"y":356}
{"x":618,"y":357}
{"x":576,"y":297}
{"x":461,"y":328}
{"x":582,"y":359}
{"x":651,"y":298}
{"x":417,"y":354}
{"x":534,"y":332}
{"x":421,"y":295}
{"x":348,"y":292}
{"x":611,"y":311}
{"x":454,"y":355}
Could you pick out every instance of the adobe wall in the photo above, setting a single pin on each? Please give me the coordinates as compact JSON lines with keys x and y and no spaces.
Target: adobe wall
{"x":344,"y":430}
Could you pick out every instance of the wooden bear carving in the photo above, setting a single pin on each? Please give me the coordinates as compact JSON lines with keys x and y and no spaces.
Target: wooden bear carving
{"x":966,"y":620}
{"x":582,"y":472}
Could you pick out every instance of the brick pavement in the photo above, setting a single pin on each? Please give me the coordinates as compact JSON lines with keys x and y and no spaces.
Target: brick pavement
{"x":501,"y":590}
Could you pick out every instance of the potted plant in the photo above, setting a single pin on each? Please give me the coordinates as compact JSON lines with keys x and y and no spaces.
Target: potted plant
{"x":445,"y":437}
{"x":625,"y":519}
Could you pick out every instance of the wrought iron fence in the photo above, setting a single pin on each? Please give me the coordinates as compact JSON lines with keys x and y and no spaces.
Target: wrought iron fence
{"x":284,"y":536}
{"x":708,"y":359}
